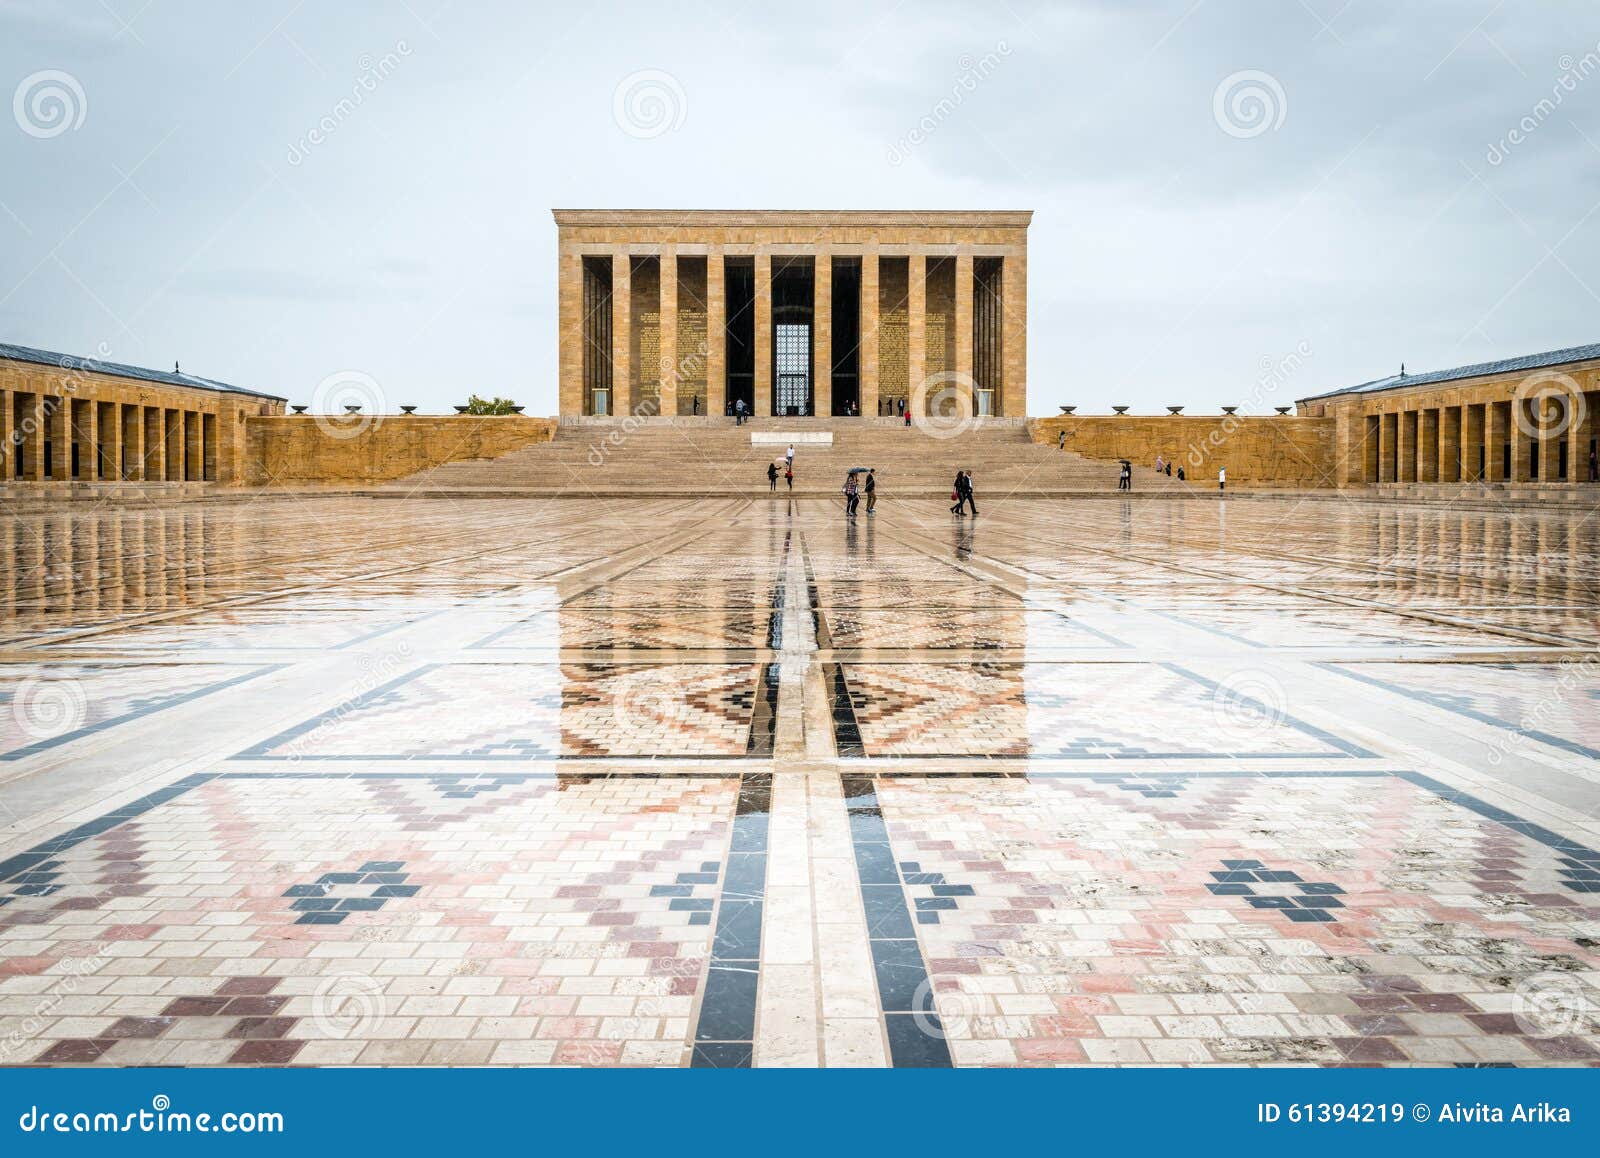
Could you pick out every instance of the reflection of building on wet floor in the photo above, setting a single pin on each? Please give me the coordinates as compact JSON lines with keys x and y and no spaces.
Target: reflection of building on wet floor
{"x":732,"y":784}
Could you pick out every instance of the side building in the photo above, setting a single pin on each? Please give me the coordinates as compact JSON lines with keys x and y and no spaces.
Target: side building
{"x":70,"y":419}
{"x":1531,"y":419}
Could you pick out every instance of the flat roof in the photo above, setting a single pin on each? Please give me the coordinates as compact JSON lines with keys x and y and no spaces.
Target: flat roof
{"x":1477,"y":370}
{"x":679,"y":217}
{"x":120,"y":370}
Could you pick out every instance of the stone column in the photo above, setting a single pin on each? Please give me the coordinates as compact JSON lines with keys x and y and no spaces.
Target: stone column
{"x":963,"y":323}
{"x":670,"y":371}
{"x":37,"y":437}
{"x":622,"y":399}
{"x":1472,"y":443}
{"x":1494,"y":441}
{"x":1428,"y":445}
{"x":917,"y":332}
{"x":867,"y":352}
{"x":133,"y":444}
{"x":1449,"y":468}
{"x":61,"y":439}
{"x":822,"y":332}
{"x":9,"y":447}
{"x":716,"y":333}
{"x":1522,"y":421}
{"x":1552,"y":434}
{"x":111,"y":441}
{"x":1014,"y":337}
{"x":1408,"y":447}
{"x":763,"y":342}
{"x":569,"y":333}
{"x":88,"y":416}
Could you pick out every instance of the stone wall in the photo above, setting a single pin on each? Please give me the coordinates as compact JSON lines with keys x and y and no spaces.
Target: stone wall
{"x":1258,"y":452}
{"x":302,"y":450}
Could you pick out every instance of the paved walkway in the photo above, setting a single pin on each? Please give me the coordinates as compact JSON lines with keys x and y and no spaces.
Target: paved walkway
{"x":722,"y":782}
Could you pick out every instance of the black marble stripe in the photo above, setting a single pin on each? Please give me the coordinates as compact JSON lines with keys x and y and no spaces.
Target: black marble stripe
{"x":724,"y":1034}
{"x":764,"y":713}
{"x":905,"y":994}
{"x":846,"y":733}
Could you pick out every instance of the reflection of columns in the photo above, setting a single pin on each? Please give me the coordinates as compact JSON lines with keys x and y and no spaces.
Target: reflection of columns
{"x":1408,"y":447}
{"x":133,"y":443}
{"x":622,"y":399}
{"x":1014,"y":336}
{"x":669,"y":372}
{"x":716,"y":333}
{"x":822,"y":332}
{"x":963,"y":324}
{"x":763,"y":343}
{"x":867,"y":349}
{"x":917,"y":332}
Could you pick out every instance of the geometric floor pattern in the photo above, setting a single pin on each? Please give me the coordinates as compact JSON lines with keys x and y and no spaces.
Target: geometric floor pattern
{"x":733,"y":783}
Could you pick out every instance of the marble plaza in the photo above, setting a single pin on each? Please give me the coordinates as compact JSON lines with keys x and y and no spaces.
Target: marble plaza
{"x":719,"y":782}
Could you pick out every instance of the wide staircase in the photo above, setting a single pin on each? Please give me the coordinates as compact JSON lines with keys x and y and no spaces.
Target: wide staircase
{"x":706,"y":456}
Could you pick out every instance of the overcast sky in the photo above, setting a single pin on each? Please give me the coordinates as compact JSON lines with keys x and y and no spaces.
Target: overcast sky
{"x":1310,"y":192}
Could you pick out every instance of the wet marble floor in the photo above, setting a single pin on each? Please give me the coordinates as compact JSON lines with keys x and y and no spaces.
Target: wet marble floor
{"x":720,"y":783}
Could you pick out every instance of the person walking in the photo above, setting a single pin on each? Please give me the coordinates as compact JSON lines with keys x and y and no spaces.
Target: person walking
{"x":1061,"y":441}
{"x":966,"y":491}
{"x":788,"y":456}
{"x":1160,"y":462}
{"x":872,"y":490}
{"x":772,"y":476}
{"x":906,"y":412}
{"x":852,"y":495}
{"x":1124,"y":476}
{"x":955,"y":495}
{"x":1222,"y":478}
{"x":788,"y":477}
{"x":1594,"y":466}
{"x":1169,"y":468}
{"x":1180,"y":474}
{"x":738,"y":412}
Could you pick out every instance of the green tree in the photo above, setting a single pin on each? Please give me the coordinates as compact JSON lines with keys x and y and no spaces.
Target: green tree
{"x":495,"y":405}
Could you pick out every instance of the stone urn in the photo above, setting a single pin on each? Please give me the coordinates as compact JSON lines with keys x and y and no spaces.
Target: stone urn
{"x":462,"y":409}
{"x":1120,"y":409}
{"x":1068,"y":409}
{"x":408,"y":410}
{"x":1174,"y":410}
{"x":518,"y":409}
{"x":1230,"y":410}
{"x":352,"y":408}
{"x":1283,"y":409}
{"x":298,"y":409}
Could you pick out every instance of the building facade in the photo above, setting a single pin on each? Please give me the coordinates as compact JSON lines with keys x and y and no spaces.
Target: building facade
{"x":1530,"y":419}
{"x":684,"y":313}
{"x":70,"y":419}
